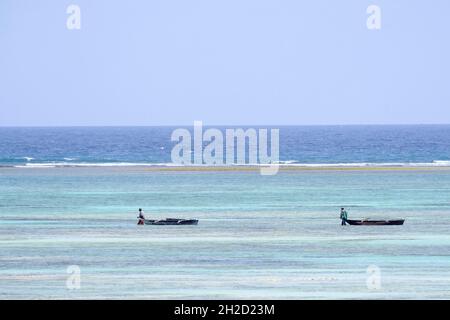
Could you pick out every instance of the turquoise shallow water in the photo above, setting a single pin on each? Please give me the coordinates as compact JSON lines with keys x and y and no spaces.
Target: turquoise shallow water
{"x":258,"y":236}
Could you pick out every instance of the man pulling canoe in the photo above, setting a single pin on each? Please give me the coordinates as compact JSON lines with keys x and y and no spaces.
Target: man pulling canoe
{"x":141,"y":218}
{"x":343,"y":216}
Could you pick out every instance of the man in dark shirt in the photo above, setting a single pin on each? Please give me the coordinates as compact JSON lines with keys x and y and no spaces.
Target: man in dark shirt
{"x":141,"y":217}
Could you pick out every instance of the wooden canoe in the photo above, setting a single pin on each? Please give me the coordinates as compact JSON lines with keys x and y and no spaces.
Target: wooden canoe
{"x":172,"y":222}
{"x":368,"y":222}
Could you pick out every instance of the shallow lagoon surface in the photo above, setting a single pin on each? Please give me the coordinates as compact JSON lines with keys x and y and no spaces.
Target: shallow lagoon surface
{"x":265,"y":237}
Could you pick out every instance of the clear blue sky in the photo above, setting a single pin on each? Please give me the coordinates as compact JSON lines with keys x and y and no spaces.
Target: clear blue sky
{"x":148,"y":62}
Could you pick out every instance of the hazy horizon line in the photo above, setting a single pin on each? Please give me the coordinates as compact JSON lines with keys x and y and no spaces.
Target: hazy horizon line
{"x":223,"y":125}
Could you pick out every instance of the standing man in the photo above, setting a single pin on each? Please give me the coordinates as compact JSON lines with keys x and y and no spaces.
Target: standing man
{"x":141,"y":217}
{"x":343,"y":216}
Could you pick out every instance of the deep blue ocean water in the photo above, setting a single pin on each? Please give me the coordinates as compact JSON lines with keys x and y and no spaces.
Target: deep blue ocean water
{"x":152,"y":145}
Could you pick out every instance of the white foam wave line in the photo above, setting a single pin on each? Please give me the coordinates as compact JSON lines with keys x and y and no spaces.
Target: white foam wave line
{"x":84,"y":164}
{"x":437,"y":163}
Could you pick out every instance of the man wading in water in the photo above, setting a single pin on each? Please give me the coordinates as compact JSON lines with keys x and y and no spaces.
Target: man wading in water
{"x":343,"y":216}
{"x":141,"y":217}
